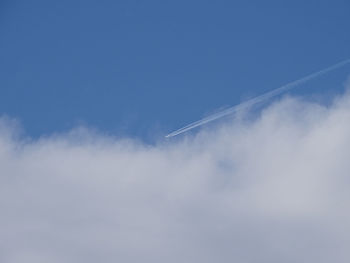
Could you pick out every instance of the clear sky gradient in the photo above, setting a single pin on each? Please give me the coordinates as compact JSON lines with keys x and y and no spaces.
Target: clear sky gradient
{"x":140,"y":68}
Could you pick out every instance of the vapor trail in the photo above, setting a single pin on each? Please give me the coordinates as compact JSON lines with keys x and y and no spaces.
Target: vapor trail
{"x":257,"y":99}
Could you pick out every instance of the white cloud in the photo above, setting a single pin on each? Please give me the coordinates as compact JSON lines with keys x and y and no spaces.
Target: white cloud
{"x":272,"y":189}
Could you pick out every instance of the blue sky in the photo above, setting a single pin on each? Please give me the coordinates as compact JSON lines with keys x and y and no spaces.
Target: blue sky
{"x":141,"y":68}
{"x":271,"y":189}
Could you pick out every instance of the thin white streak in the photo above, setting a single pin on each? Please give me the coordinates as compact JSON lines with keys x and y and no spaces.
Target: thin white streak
{"x":256,"y":100}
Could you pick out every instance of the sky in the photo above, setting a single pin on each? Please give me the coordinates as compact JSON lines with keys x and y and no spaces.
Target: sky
{"x":137,"y":68}
{"x":89,"y":89}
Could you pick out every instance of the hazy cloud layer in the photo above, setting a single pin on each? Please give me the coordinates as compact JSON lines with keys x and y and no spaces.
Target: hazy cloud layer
{"x":273,"y":189}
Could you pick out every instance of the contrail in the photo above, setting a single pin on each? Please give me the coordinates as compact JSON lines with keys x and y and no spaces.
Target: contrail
{"x":257,"y":99}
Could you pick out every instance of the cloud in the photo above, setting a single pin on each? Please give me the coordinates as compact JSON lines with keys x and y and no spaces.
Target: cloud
{"x":270,"y":189}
